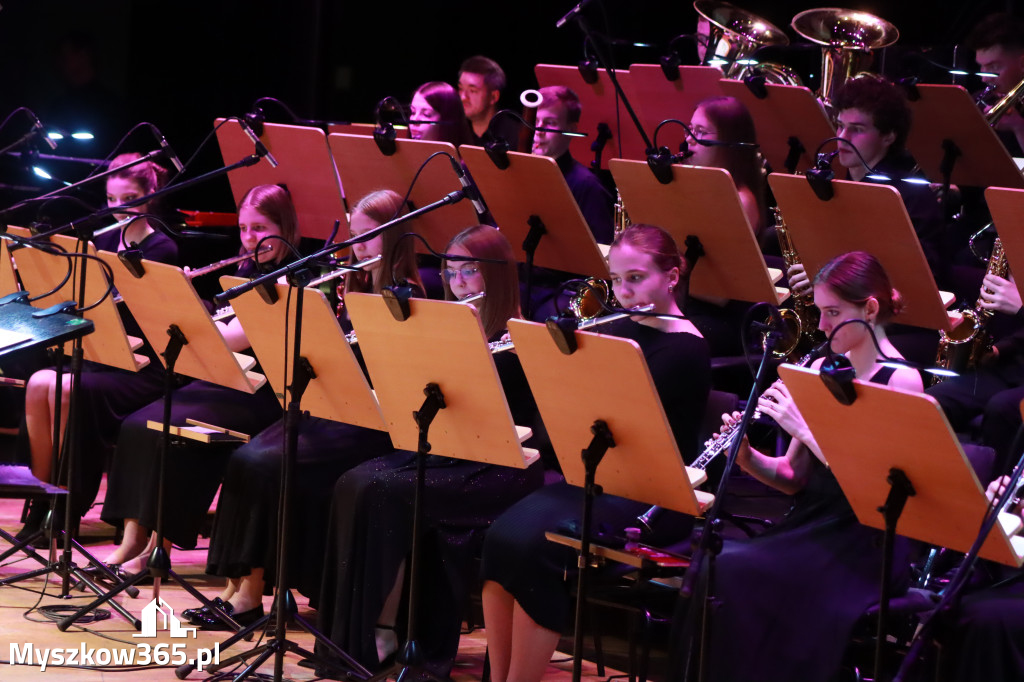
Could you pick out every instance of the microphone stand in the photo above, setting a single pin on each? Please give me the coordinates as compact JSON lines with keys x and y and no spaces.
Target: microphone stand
{"x":953,"y":592}
{"x":284,"y":608}
{"x":604,"y":62}
{"x":710,"y":543}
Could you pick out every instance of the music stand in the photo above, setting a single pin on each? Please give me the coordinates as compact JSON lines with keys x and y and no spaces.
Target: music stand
{"x":658,"y":99}
{"x":618,"y":436}
{"x":951,"y":140}
{"x":402,"y":132}
{"x":790,"y":121}
{"x":603,"y":116}
{"x":703,"y":203}
{"x":445,"y":357}
{"x":364,"y":168}
{"x":8,"y":279}
{"x":906,"y":471}
{"x":1006,"y":207}
{"x":864,"y":217}
{"x":304,"y":166}
{"x":164,"y":303}
{"x":328,"y":362}
{"x":532,"y":203}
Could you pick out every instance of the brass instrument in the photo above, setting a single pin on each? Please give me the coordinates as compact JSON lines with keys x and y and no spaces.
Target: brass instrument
{"x":801,"y":321}
{"x":591,"y":298}
{"x":735,"y":35}
{"x":962,"y":348}
{"x":847,"y":38}
{"x":1014,"y":98}
{"x":213,"y":267}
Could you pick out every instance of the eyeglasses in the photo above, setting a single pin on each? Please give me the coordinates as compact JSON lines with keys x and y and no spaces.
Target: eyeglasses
{"x":466,"y":271}
{"x":700,"y":133}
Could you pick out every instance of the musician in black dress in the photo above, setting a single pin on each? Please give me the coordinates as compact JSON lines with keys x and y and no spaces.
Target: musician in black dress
{"x":243,"y":546}
{"x":525,"y":594}
{"x":107,"y":395}
{"x":194,"y":470}
{"x":786,"y":601}
{"x":370,"y":532}
{"x":986,"y":640}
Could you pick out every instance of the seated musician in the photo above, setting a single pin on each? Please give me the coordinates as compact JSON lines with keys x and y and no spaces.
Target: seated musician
{"x":107,"y":395}
{"x":874,"y":120}
{"x":525,"y":594}
{"x":193,"y":471}
{"x":481,"y":82}
{"x":993,"y":389}
{"x":560,"y":109}
{"x":370,"y":536}
{"x":985,"y":640}
{"x":787,"y":600}
{"x":244,"y":539}
{"x":998,"y":44}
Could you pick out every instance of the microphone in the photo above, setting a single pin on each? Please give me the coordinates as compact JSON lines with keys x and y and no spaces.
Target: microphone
{"x":821,"y":176}
{"x":166,"y":148}
{"x":468,"y":188}
{"x":261,"y":149}
{"x":571,"y":14}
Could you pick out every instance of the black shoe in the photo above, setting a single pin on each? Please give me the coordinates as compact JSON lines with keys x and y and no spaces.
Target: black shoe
{"x":243,"y":618}
{"x":203,"y":611}
{"x":33,"y":528}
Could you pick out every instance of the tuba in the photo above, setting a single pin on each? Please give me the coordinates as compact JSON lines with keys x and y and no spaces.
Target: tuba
{"x":801,"y":321}
{"x":847,"y":38}
{"x":734,"y":35}
{"x":962,"y":348}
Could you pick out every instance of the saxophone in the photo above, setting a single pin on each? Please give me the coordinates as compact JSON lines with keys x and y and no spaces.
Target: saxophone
{"x":962,"y":348}
{"x":622,"y":220}
{"x":801,"y":321}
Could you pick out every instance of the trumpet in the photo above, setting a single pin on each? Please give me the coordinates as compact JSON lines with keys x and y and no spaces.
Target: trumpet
{"x":1014,"y":98}
{"x":213,"y":267}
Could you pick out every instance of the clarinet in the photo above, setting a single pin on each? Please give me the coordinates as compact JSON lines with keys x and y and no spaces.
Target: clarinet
{"x":713,"y":447}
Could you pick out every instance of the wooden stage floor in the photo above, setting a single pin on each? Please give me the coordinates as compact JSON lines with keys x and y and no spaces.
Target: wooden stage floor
{"x":22,"y":624}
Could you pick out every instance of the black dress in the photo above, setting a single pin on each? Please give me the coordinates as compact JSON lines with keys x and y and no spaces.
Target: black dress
{"x":370,"y":535}
{"x":194,"y":470}
{"x":987,"y":641}
{"x":518,"y":556}
{"x":786,"y":601}
{"x":107,"y":394}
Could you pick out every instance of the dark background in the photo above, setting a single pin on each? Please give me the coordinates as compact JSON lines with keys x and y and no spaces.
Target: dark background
{"x":181,"y":64}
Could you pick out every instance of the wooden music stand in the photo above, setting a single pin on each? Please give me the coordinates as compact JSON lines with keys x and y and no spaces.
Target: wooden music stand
{"x":8,"y":279}
{"x":599,"y":105}
{"x":886,"y":428}
{"x":532,"y":188}
{"x":946,"y":118}
{"x":645,"y":464}
{"x":438,"y":351}
{"x":1007,"y":209}
{"x":864,"y":217}
{"x":305,"y":167}
{"x":627,"y":445}
{"x":324,"y":347}
{"x":657,"y":99}
{"x":364,"y":168}
{"x":40,"y":272}
{"x":790,"y":122}
{"x":702,"y":202}
{"x":443,"y":343}
{"x":163,"y":297}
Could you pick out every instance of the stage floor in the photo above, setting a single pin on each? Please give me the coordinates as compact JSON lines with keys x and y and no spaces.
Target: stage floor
{"x":26,"y":628}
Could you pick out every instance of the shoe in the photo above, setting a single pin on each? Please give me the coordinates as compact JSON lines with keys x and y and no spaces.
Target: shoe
{"x":98,"y":575}
{"x":244,"y":618}
{"x":192,"y":614}
{"x":33,"y":528}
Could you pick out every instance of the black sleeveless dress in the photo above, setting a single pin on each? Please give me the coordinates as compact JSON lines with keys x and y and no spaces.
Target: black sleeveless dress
{"x":785,"y":602}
